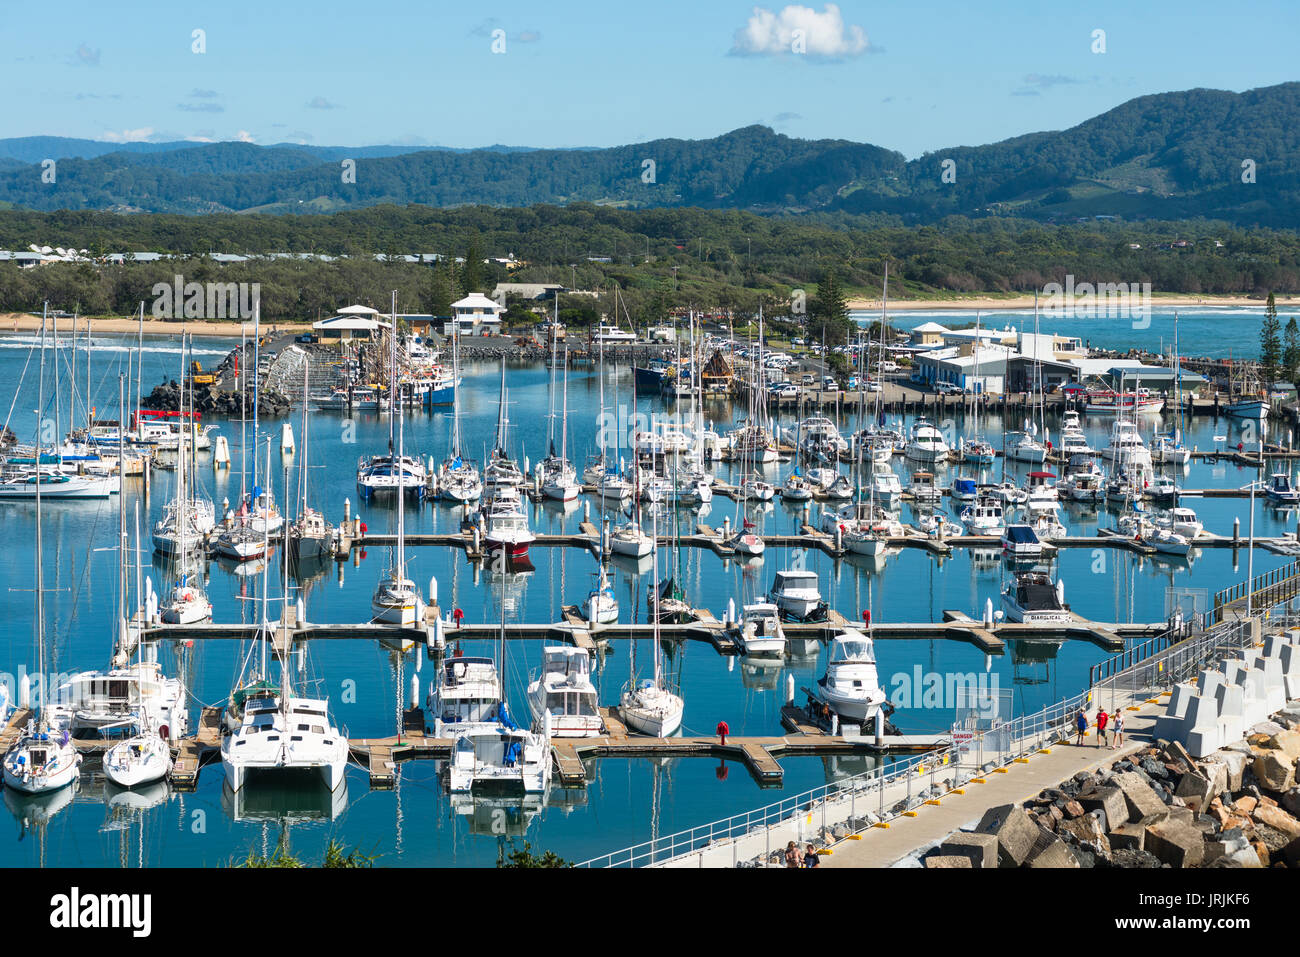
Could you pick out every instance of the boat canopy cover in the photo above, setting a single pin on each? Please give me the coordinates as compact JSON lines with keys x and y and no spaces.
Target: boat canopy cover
{"x":964,"y":485}
{"x":1037,"y":596}
{"x":1021,"y":535}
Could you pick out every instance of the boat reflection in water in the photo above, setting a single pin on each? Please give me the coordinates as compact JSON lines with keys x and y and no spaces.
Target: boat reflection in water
{"x":760,"y":674}
{"x":34,"y":811}
{"x":498,"y":815}
{"x":291,"y":799}
{"x":840,"y":767}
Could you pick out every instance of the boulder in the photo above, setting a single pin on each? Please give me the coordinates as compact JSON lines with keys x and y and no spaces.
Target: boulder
{"x":1073,"y":809}
{"x":1195,"y":790}
{"x":1139,"y":798}
{"x":1273,"y":771}
{"x":1088,"y":831}
{"x":1055,"y":853}
{"x":1176,"y":843}
{"x":1015,"y":830}
{"x":1245,"y":804}
{"x":1110,"y":800}
{"x":1291,"y":853}
{"x":1130,"y":835}
{"x":982,"y":849}
{"x":1287,"y":742}
{"x":947,"y":861}
{"x":1277,"y":819}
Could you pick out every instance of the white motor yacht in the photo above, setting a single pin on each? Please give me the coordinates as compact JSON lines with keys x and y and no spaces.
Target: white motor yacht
{"x":850,"y":686}
{"x":564,"y":689}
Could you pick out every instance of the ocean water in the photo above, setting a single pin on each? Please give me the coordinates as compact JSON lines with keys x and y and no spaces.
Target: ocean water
{"x":626,"y":800}
{"x":1202,"y":330}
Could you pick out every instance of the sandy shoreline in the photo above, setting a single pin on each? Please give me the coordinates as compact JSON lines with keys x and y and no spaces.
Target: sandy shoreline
{"x":22,"y":322}
{"x":1027,"y":302}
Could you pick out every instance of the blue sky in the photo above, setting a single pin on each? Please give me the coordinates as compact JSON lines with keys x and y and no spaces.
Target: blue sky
{"x":908,"y":76}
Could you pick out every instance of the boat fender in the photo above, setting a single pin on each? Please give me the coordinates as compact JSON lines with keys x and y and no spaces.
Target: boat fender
{"x":163,"y":732}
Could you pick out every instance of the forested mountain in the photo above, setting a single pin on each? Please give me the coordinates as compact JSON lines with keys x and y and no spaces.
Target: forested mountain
{"x":1166,"y":156}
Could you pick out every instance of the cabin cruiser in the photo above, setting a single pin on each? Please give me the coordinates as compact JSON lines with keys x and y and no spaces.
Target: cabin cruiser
{"x":1008,"y":493}
{"x":820,"y":440}
{"x":1074,"y":442}
{"x":1047,"y":524}
{"x":795,"y":592}
{"x":924,"y":488}
{"x":1162,"y":488}
{"x":926,"y":444}
{"x":964,"y":489}
{"x":985,"y":517}
{"x":505,"y":526}
{"x":564,"y":689}
{"x":759,"y":630}
{"x":387,"y":474}
{"x":885,"y":483}
{"x":1280,"y":489}
{"x":1027,"y":449}
{"x":20,"y":483}
{"x":240,"y":543}
{"x":1040,"y":492}
{"x":1126,"y":448}
{"x":1032,"y":599}
{"x":466,"y":693}
{"x":1021,"y":541}
{"x":280,"y":733}
{"x":1083,"y":480}
{"x":94,"y":704}
{"x":850,"y":686}
{"x":1181,"y":521}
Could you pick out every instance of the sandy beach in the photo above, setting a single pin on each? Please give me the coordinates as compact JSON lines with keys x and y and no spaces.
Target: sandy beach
{"x":23,"y":322}
{"x":1002,"y":303}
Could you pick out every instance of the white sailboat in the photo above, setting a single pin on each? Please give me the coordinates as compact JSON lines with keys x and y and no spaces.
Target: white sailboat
{"x":43,"y":758}
{"x":650,"y":706}
{"x":397,"y":600}
{"x":458,"y":477}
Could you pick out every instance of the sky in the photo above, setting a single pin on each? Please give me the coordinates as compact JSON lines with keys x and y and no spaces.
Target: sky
{"x":909,"y":76}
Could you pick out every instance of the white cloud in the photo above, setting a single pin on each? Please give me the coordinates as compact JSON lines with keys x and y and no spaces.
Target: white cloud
{"x":244,"y":136}
{"x":129,"y":136}
{"x":320,"y":103}
{"x":824,"y":35}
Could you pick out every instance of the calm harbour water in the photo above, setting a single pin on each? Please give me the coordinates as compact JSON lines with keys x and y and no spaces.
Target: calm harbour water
{"x":627,"y":800}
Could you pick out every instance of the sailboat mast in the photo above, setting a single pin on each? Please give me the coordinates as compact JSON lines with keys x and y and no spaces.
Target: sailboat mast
{"x":399,"y":560}
{"x":40,"y":553}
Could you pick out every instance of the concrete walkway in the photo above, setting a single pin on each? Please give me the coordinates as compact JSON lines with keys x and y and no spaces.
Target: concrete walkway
{"x":910,"y":836}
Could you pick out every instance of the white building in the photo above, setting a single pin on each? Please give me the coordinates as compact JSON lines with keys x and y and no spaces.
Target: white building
{"x":475,"y":315}
{"x":352,"y":322}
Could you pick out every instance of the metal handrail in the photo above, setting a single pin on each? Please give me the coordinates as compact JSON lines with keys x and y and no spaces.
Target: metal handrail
{"x":1157,"y":664}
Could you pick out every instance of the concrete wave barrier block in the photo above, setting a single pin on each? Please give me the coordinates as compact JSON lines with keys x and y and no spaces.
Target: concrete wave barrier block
{"x":981,"y":849}
{"x":1015,"y":830}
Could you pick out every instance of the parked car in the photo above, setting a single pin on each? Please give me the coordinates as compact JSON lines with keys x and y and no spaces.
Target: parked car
{"x":947,"y":388}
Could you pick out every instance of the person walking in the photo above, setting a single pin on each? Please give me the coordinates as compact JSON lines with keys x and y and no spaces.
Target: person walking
{"x":1102,"y":716}
{"x":1081,"y":723}
{"x":811,"y":859}
{"x":1117,"y":725}
{"x":792,"y":855}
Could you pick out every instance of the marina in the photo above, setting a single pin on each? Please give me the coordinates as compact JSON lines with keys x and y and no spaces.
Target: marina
{"x":311,"y":620}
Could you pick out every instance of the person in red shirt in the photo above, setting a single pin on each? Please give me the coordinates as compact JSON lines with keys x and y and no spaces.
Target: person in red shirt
{"x":1101,"y":727}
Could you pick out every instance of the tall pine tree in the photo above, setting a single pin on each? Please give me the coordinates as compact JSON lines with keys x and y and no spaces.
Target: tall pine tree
{"x":1270,"y":343}
{"x":472,"y":276}
{"x":830,"y":313}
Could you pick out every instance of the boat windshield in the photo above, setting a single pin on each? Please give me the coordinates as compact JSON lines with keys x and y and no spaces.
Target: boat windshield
{"x":852,"y":649}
